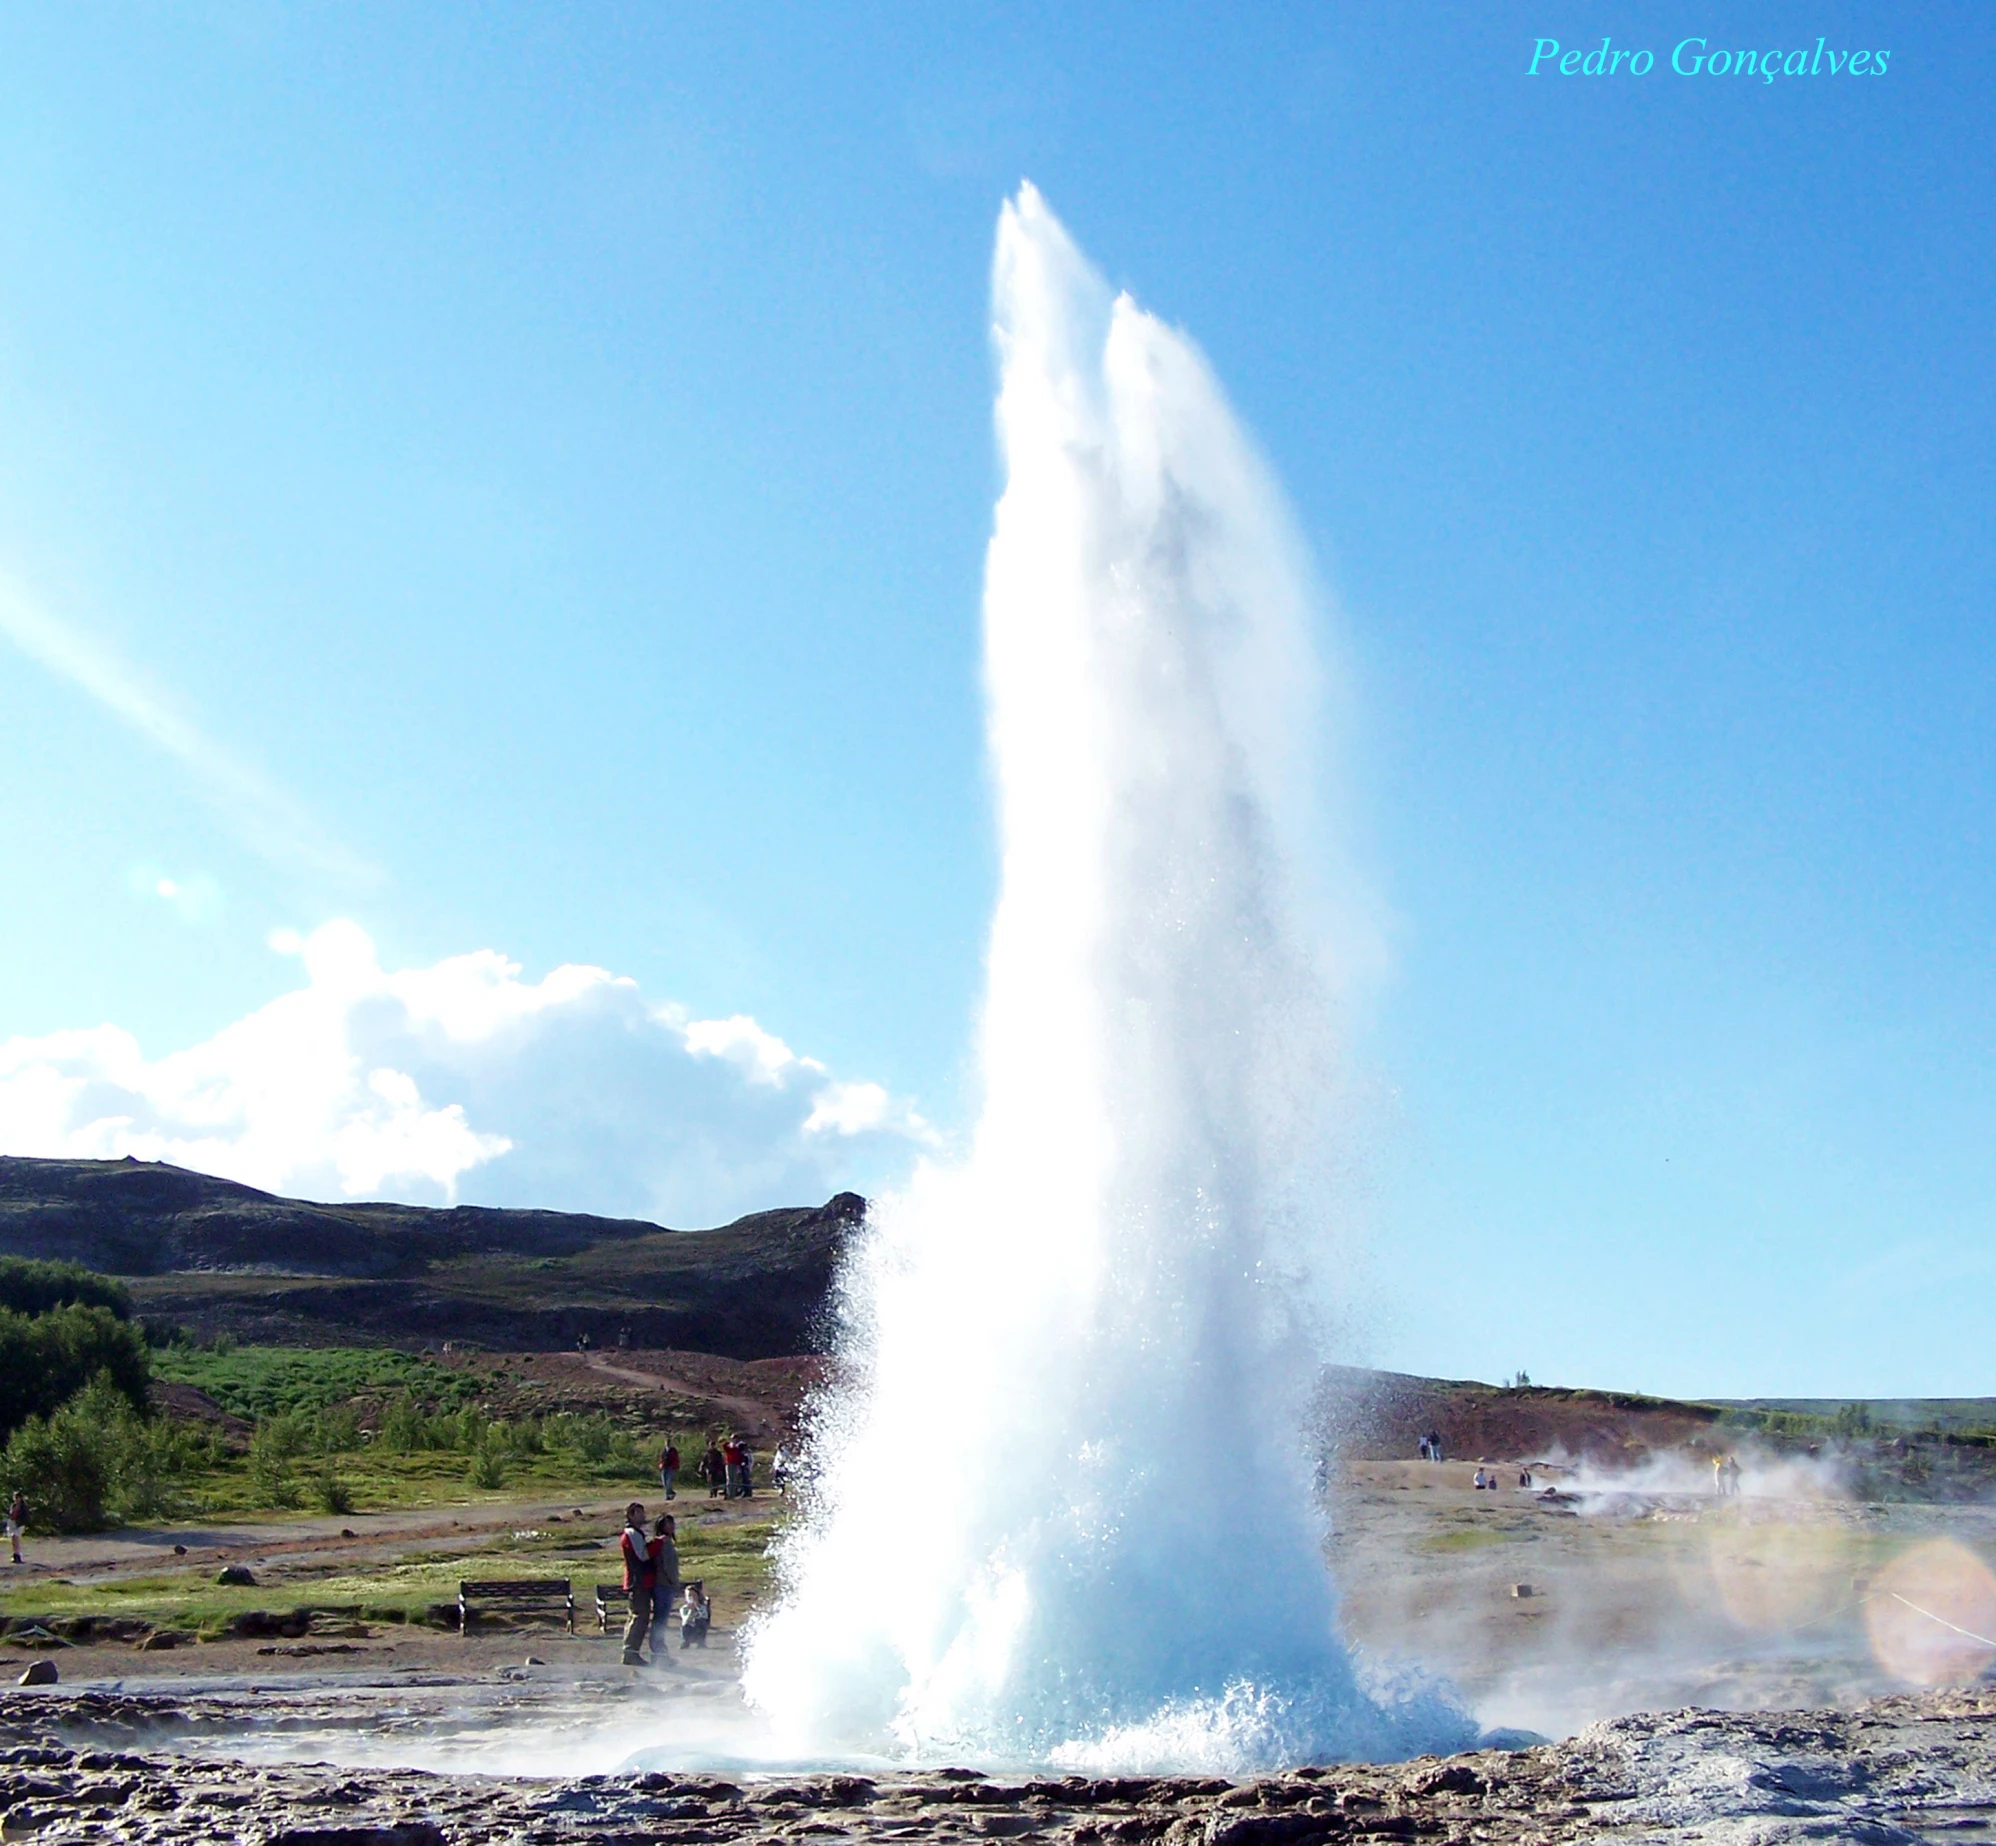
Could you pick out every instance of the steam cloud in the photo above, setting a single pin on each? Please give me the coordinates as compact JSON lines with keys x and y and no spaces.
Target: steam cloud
{"x":1054,"y":1336}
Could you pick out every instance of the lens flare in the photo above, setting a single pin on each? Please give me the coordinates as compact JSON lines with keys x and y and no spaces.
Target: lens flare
{"x":1931,"y":1615}
{"x":1772,"y":1578}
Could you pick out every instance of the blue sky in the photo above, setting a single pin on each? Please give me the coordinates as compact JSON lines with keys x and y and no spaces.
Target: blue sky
{"x":518,"y":480}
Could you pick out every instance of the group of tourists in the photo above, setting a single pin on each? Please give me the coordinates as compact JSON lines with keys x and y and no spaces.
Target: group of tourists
{"x":728,"y":1468}
{"x":651,"y":1582}
{"x":1726,"y":1476}
{"x":1431,"y":1447}
{"x":1486,"y":1479}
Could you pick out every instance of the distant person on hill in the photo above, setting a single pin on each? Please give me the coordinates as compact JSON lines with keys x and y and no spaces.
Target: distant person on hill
{"x":17,"y":1521}
{"x":1425,"y":1450}
{"x":1479,"y":1483}
{"x":779,"y":1472}
{"x":1718,"y":1477}
{"x":714,"y":1470}
{"x":748,"y":1469}
{"x":664,"y":1582}
{"x":696,"y":1616}
{"x":731,"y":1461}
{"x":1434,"y":1446}
{"x":1525,"y":1479}
{"x":1732,"y":1476}
{"x":635,"y":1544}
{"x":668,"y":1469}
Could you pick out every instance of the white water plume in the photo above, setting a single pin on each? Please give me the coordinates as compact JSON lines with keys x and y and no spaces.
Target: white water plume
{"x":1064,"y":1513}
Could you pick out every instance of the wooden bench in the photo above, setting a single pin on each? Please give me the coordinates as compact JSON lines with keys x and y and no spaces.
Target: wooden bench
{"x":516,"y":1596}
{"x":613,"y":1603}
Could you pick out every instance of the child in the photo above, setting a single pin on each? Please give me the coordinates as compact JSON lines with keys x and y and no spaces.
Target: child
{"x":696,"y":1616}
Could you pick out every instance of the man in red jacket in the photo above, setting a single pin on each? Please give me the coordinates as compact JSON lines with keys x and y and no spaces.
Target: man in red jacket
{"x":640,"y":1580}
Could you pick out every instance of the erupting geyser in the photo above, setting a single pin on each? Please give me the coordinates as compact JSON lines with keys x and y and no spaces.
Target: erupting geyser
{"x":1065,"y":1509}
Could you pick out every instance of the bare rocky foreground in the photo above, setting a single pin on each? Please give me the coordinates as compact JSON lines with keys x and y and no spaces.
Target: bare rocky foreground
{"x":122,"y":1766}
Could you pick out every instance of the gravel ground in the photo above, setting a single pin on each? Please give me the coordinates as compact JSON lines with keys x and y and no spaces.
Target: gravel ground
{"x":117,"y":1766}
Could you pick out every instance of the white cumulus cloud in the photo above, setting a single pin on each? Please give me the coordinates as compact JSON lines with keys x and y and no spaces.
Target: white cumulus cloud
{"x":462,"y":1081}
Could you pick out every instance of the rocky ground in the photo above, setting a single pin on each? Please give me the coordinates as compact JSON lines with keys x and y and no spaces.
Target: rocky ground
{"x":124,"y":1766}
{"x":1776,"y":1633}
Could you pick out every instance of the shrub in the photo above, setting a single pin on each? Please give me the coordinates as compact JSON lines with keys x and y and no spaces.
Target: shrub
{"x":45,"y":1359}
{"x":95,"y":1461}
{"x":275,"y":1445}
{"x":31,"y":1287}
{"x":488,"y":1467}
{"x":331,"y":1492}
{"x":403,"y":1426}
{"x":1851,"y":1422}
{"x":61,"y":1464}
{"x":337,"y":1432}
{"x":588,"y":1438}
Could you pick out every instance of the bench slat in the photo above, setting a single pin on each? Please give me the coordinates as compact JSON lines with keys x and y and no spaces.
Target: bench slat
{"x":515,"y":1593}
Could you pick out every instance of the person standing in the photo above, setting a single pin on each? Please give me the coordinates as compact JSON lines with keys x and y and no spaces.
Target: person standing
{"x":748,"y":1467}
{"x":664,"y":1583}
{"x":17,"y":1521}
{"x":636,"y":1547}
{"x":714,"y":1466}
{"x":668,"y":1468}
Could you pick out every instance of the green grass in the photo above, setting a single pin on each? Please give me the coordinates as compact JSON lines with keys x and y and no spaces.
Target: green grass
{"x":263,"y":1381}
{"x":1471,"y":1540}
{"x":388,"y":1481}
{"x":729,"y":1557}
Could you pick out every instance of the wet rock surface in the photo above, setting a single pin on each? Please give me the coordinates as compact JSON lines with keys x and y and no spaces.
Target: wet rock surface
{"x":108,"y":1765}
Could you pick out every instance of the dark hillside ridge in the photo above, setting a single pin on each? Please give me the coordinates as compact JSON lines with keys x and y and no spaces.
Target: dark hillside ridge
{"x":218,"y":1257}
{"x":140,"y":1218}
{"x":1385,"y":1414}
{"x":1889,"y":1415}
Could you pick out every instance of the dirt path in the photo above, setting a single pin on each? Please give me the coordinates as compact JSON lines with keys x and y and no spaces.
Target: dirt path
{"x":745,"y":1410}
{"x":333,"y":1538}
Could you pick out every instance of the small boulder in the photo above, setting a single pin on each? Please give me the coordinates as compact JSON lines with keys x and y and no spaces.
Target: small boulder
{"x":348,"y":1532}
{"x":180,"y":1551}
{"x":1522,"y":1592}
{"x":534,"y":1660}
{"x":238,"y":1575}
{"x":39,"y":1673}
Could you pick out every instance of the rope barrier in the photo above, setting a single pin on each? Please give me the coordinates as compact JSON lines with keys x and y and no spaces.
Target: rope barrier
{"x":1966,"y":1633}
